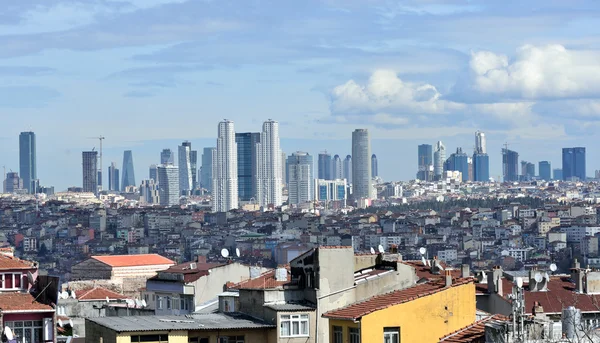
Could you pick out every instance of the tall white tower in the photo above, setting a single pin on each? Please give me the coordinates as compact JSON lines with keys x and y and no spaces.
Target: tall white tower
{"x":439,"y":157}
{"x":224,"y":164}
{"x":361,"y":165}
{"x":269,"y":165}
{"x":480,"y":146}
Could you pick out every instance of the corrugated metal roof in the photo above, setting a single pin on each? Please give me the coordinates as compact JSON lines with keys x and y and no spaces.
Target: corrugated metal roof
{"x":289,"y":307}
{"x":212,"y":321}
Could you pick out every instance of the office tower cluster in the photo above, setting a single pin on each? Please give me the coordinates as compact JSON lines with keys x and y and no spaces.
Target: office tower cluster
{"x":573,"y":164}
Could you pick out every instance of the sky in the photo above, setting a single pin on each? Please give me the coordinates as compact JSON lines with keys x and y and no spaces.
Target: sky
{"x":148,"y":74}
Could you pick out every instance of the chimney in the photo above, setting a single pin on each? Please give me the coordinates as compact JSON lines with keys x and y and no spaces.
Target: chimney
{"x":576,"y":264}
{"x":201,"y":259}
{"x":495,"y":281}
{"x":448,"y":278}
{"x":465,"y":271}
{"x":579,"y":280}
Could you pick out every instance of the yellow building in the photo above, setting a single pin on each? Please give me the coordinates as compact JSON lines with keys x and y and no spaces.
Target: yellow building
{"x":419,"y":314}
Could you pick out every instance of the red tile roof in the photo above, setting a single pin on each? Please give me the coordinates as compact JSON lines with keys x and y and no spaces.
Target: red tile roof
{"x":133,"y":260}
{"x":425,"y":271}
{"x":8,"y":262}
{"x":360,"y":309}
{"x":474,"y":332}
{"x":21,"y":302}
{"x":266,"y":280}
{"x":97,"y":293}
{"x":190,"y":274}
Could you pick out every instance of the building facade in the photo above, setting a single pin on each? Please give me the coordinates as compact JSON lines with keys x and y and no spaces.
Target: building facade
{"x":481,"y":167}
{"x":153,"y":173}
{"x":27,"y":160}
{"x":348,"y":169}
{"x":13,"y":183}
{"x":225,"y":181}
{"x":337,"y":167}
{"x":458,"y":161}
{"x":361,"y":164}
{"x":324,"y":166}
{"x":374,"y":166}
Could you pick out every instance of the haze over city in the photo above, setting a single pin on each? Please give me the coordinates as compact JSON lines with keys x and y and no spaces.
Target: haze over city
{"x":149,"y":74}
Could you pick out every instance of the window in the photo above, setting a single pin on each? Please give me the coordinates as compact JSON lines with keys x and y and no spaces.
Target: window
{"x":182,"y":304}
{"x":391,"y":335}
{"x":295,"y":325}
{"x":168,"y":303}
{"x":150,"y":338}
{"x":159,"y":303}
{"x":17,"y":279}
{"x":338,"y":334}
{"x":354,"y":335}
{"x":27,"y":331}
{"x":231,"y":339}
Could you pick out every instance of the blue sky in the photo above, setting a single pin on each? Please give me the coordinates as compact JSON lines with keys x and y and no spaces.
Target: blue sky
{"x":148,"y":74}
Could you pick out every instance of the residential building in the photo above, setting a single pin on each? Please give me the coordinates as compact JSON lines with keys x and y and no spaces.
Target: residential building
{"x":224,"y":166}
{"x":185,"y":168}
{"x":128,"y":178}
{"x":324,"y":166}
{"x":153,"y":173}
{"x":113,"y":177}
{"x":247,"y":164}
{"x":27,"y":160}
{"x":439,"y":158}
{"x":545,"y":170}
{"x":167,"y":157}
{"x":149,"y":192}
{"x":168,"y":184}
{"x":13,"y":183}
{"x":90,"y":171}
{"x":573,"y":164}
{"x":510,"y":165}
{"x":337,"y":169}
{"x":300,"y":178}
{"x":348,"y":169}
{"x":208,"y":154}
{"x":374,"y":167}
{"x":269,"y":166}
{"x":361,"y":165}
{"x":331,"y":191}
{"x":128,"y":272}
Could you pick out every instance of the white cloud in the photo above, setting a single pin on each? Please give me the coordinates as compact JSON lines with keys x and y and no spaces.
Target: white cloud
{"x":550,"y":71}
{"x":385,"y":91}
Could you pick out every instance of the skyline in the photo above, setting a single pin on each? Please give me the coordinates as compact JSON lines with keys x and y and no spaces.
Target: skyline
{"x":412,"y":73}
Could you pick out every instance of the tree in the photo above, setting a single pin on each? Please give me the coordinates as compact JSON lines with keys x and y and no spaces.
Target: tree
{"x":43,"y":250}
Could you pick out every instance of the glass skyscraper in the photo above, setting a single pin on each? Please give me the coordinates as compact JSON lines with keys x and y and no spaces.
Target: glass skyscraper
{"x":113,"y":177}
{"x":206,"y":170}
{"x":348,"y":169}
{"x":481,"y":167}
{"x":459,"y":161}
{"x":27,"y":160}
{"x":510,"y":165}
{"x":557,"y":174}
{"x":545,"y":170}
{"x":362,"y":186}
{"x":127,"y":170}
{"x":324,"y":166}
{"x":90,"y":171}
{"x":425,"y":152}
{"x":573,"y":164}
{"x":167,"y":157}
{"x":168,"y":184}
{"x":374,"y":166}
{"x":246,"y":164}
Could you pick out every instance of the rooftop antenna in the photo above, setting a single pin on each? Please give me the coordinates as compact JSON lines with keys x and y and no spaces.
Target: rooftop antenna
{"x":380,"y":248}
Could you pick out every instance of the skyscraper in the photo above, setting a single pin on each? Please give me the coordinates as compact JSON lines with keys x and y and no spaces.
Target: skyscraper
{"x":185,"y":168}
{"x":424,"y":152}
{"x":527,"y":171}
{"x":246,"y":164}
{"x":459,"y":161}
{"x":167,"y":157}
{"x":300,"y":179}
{"x":113,"y":177}
{"x":13,"y":183}
{"x":324,"y":166}
{"x":348,"y":169}
{"x":480,"y":144}
{"x":128,"y":178}
{"x":510,"y":165}
{"x":269,"y":162}
{"x":194,"y":167}
{"x":206,"y":170}
{"x":27,"y":160}
{"x":573,"y":164}
{"x":439,"y":158}
{"x":481,"y":167}
{"x":361,"y":164}
{"x":168,"y":184}
{"x":153,"y":173}
{"x":90,"y":171}
{"x":337,"y":168}
{"x":374,"y":166}
{"x":557,"y":174}
{"x":225,"y":181}
{"x":545,"y":170}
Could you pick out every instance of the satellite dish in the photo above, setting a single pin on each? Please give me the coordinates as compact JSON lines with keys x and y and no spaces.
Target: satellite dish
{"x":107,"y":299}
{"x":483,"y":276}
{"x":380,"y":248}
{"x":8,"y":333}
{"x":65,"y":295}
{"x":138,"y":303}
{"x":30,"y":278}
{"x":60,"y":323}
{"x":424,"y":261}
{"x":225,"y":253}
{"x":422,"y":250}
{"x":538,"y":277}
{"x":237,"y":252}
{"x":130,"y":303}
{"x":519,"y":282}
{"x":439,"y":266}
{"x":372,"y":251}
{"x":73,"y":295}
{"x":553,"y":267}
{"x":70,"y":322}
{"x":144,"y":303}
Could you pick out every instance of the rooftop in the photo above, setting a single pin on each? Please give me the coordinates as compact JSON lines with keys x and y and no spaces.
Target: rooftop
{"x":98,"y":293}
{"x":212,"y":321}
{"x":264,"y":281}
{"x":133,"y":260}
{"x":9,"y":262}
{"x":376,"y":303}
{"x":473,"y":332}
{"x":21,"y":302}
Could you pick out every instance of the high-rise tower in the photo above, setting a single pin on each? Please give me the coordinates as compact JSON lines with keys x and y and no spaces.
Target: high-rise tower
{"x":337,"y":168}
{"x":361,"y":164}
{"x":439,"y":157}
{"x":300,"y":179}
{"x":374,"y":166}
{"x":246,"y":164}
{"x":113,"y":177}
{"x":27,"y":160}
{"x":167,"y":157}
{"x":573,"y":164}
{"x":324,"y":166}
{"x":128,"y":173}
{"x":225,"y":181}
{"x":348,"y":169}
{"x":545,"y":170}
{"x":194,"y":168}
{"x":90,"y":171}
{"x":269,"y":162}
{"x":480,"y":144}
{"x":510,"y":165}
{"x":185,"y":168}
{"x":168,"y":184}
{"x":207,"y":168}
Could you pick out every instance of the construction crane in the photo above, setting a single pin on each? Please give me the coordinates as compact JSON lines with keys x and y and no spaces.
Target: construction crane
{"x":100,"y":138}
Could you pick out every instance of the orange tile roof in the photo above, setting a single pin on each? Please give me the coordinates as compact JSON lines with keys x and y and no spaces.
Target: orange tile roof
{"x":8,"y":262}
{"x":98,"y":293}
{"x":266,"y":280}
{"x":425,"y":271}
{"x":133,"y":260}
{"x":21,"y":302}
{"x":473,"y":332}
{"x":380,"y":302}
